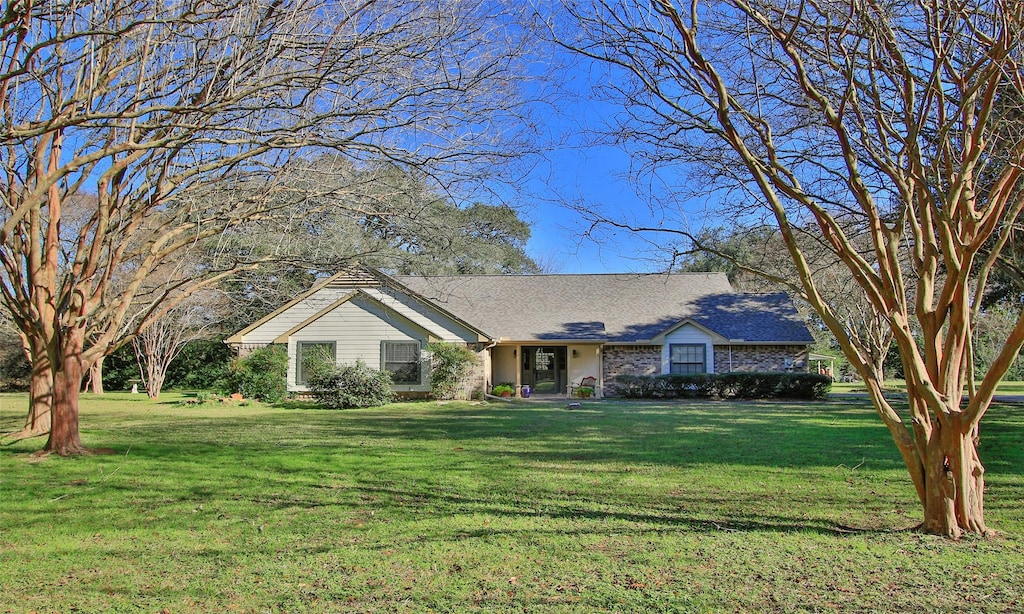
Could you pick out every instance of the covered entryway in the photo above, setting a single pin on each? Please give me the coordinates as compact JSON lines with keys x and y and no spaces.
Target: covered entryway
{"x":544,"y":369}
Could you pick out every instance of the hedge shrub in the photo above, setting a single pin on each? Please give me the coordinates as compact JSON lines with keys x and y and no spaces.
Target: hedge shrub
{"x":350,"y":386}
{"x":262,"y":375}
{"x":449,"y":366}
{"x":736,"y":385}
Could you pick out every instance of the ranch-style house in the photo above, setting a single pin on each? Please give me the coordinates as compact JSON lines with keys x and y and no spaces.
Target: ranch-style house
{"x":545,"y":332}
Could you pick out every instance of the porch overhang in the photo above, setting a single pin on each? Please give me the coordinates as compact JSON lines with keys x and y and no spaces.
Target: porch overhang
{"x":543,"y":342}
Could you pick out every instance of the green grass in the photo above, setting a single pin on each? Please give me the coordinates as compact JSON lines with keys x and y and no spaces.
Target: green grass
{"x":900,"y":386}
{"x":847,"y":387}
{"x":621,"y":507}
{"x":1015,"y":388}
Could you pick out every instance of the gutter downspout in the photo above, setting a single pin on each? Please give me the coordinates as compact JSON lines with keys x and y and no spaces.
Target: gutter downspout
{"x":489,"y":375}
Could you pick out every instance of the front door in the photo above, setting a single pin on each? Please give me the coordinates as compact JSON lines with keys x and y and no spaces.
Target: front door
{"x":544,"y":369}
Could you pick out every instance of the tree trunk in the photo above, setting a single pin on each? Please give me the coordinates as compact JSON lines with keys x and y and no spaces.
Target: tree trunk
{"x":96,"y":376}
{"x":39,"y":402}
{"x":40,"y":398}
{"x":941,"y":456}
{"x":154,"y":380}
{"x":65,"y":439}
{"x":955,"y":481}
{"x":40,"y":394}
{"x":878,"y":366}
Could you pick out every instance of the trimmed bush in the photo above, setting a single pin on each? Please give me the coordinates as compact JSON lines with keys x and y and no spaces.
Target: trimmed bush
{"x":449,"y":366}
{"x":736,"y":385}
{"x":262,"y":375}
{"x":638,"y":386}
{"x":750,"y":385}
{"x":350,"y":386}
{"x":690,"y":386}
{"x":804,"y":386}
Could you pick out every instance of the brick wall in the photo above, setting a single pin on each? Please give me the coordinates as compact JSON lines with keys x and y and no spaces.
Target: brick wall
{"x":629,"y":360}
{"x":760,"y":358}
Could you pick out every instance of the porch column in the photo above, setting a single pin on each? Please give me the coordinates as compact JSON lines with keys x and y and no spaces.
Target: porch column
{"x":518,"y":355}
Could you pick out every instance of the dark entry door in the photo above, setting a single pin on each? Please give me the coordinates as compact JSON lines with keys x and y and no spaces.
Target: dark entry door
{"x":544,"y":369}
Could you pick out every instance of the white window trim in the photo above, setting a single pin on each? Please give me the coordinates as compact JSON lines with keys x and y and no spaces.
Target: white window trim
{"x":703,"y":346}
{"x":419,"y":353}
{"x":299,"y":379}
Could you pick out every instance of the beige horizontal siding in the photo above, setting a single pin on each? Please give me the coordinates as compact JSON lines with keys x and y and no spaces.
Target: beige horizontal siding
{"x":357,"y":327}
{"x":429,"y":318}
{"x":292,"y":317}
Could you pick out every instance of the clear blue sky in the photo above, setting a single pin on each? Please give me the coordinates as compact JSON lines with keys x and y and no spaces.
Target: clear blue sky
{"x":586,"y":174}
{"x":591,"y":176}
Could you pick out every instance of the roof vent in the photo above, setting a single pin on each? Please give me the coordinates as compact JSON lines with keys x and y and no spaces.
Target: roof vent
{"x":354,"y":278}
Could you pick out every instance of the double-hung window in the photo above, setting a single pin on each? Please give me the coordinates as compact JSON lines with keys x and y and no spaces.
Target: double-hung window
{"x":309,"y":352}
{"x":688,"y":358}
{"x":402,"y":359}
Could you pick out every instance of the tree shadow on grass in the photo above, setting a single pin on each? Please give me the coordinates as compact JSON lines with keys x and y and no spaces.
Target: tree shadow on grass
{"x":597,"y":518}
{"x":299,"y":404}
{"x":788,"y":435}
{"x":672,"y":434}
{"x":676,"y":435}
{"x":291,"y":452}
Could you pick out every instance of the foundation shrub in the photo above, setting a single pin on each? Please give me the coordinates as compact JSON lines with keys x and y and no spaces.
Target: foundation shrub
{"x":450,"y":364}
{"x":804,"y":385}
{"x":262,"y":375}
{"x":638,"y":386}
{"x":350,"y":386}
{"x":725,"y":386}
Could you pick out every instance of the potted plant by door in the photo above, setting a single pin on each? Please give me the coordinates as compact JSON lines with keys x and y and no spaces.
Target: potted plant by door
{"x":584,"y":392}
{"x":503,"y":390}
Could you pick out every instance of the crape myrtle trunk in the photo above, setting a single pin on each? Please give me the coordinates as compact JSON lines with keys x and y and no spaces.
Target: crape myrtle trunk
{"x":68,"y":374}
{"x":40,"y":391}
{"x":954,"y":481}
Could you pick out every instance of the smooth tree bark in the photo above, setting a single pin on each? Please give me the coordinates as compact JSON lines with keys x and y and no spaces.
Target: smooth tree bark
{"x":37,"y":422}
{"x":64,"y":438}
{"x":154,"y":112}
{"x":40,"y":391}
{"x":855,"y":121}
{"x":96,"y":376}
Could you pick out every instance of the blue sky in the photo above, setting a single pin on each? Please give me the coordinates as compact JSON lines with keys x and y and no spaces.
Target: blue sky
{"x":575,"y":170}
{"x":595,"y":176}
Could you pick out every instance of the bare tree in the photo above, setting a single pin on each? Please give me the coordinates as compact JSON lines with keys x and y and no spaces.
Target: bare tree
{"x":756,"y":260}
{"x":156,"y":108}
{"x":846,"y":115}
{"x":161,"y":342}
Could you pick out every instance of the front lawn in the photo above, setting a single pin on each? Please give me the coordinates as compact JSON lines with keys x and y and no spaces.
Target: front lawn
{"x":620,"y":506}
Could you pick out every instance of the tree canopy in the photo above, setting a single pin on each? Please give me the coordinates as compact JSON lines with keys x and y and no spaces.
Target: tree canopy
{"x":154,"y":109}
{"x":380,"y":215}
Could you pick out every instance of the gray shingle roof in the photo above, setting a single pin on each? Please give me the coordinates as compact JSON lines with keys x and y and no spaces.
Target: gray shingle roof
{"x":620,"y":308}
